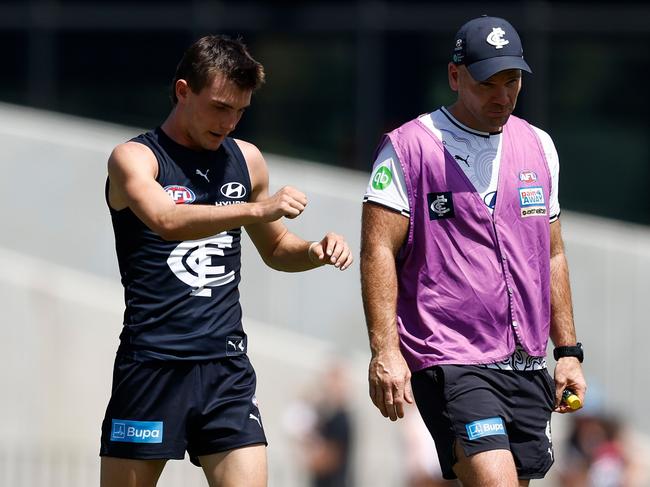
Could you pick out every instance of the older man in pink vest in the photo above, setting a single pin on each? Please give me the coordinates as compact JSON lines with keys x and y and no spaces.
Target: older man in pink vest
{"x":464,"y":276}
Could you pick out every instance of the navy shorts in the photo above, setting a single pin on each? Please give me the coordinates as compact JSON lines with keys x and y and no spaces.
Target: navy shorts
{"x":160,"y":410}
{"x":486,"y":409}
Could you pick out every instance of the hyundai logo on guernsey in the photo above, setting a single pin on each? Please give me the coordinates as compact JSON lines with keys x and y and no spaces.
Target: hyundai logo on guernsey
{"x":485,"y":427}
{"x":531,"y":201}
{"x":180,"y":194}
{"x":233,"y":190}
{"x":126,"y":431}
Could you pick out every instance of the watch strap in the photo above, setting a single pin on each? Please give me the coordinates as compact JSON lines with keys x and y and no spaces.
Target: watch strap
{"x":569,"y":351}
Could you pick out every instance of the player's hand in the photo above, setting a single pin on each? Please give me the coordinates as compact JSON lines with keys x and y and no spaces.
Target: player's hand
{"x":331,"y":250}
{"x":389,"y":379}
{"x":287,"y":202}
{"x":568,"y":375}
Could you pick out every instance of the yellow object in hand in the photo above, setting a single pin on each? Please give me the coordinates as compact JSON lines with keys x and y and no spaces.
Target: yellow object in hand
{"x":571,"y":400}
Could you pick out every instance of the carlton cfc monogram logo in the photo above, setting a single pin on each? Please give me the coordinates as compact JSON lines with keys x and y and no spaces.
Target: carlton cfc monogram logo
{"x":441,"y":205}
{"x":193,"y":262}
{"x":233,"y":190}
{"x":495,"y":38}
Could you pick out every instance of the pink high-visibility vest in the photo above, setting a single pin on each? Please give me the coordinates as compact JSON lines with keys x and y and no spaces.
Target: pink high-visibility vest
{"x":472,"y":283}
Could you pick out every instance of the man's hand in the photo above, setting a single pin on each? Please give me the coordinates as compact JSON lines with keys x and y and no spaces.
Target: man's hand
{"x":568,"y":375}
{"x":332,"y":250}
{"x":390,"y":384}
{"x":287,"y":202}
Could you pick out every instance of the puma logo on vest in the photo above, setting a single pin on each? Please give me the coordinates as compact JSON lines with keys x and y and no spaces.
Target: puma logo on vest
{"x":204,"y":175}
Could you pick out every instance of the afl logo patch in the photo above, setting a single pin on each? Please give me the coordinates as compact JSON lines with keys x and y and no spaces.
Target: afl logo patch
{"x":527,"y":176}
{"x":233,"y":190}
{"x":180,"y":194}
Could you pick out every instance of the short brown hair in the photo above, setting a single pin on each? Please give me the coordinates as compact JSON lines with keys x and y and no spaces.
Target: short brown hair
{"x":218,"y":53}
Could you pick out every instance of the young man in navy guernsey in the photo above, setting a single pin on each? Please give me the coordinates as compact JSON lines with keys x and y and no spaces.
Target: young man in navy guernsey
{"x":178,"y":197}
{"x":464,"y":275}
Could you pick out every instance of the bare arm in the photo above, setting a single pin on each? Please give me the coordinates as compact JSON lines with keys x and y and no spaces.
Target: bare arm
{"x":132,"y":170}
{"x":278,"y":247}
{"x":568,"y":371}
{"x":382,"y":233}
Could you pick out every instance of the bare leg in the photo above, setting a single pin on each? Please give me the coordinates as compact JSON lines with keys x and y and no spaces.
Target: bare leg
{"x":243,"y":467}
{"x":124,"y":472}
{"x":493,"y":468}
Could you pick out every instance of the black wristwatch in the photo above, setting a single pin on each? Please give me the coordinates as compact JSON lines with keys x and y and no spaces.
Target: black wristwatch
{"x":571,"y":351}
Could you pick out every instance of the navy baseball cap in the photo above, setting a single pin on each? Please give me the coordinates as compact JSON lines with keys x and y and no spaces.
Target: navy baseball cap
{"x":487,"y":45}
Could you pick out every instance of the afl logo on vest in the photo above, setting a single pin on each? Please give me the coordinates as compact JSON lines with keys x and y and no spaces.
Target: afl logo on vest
{"x":180,"y":194}
{"x":193,"y":262}
{"x":527,"y":176}
{"x":233,"y":190}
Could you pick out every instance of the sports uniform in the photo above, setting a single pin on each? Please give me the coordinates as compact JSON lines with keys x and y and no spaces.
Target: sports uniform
{"x":461,"y":295}
{"x":463,"y":166}
{"x":182,"y":380}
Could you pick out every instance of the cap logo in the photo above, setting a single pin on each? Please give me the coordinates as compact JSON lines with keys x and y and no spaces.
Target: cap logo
{"x":495,"y":38}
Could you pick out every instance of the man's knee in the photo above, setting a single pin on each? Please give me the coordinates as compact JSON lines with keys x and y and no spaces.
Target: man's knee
{"x":125,"y":472}
{"x":492,"y":468}
{"x":241,"y":466}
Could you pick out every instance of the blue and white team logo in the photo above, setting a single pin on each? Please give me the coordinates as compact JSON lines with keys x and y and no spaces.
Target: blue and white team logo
{"x":485,"y":427}
{"x":531,"y":201}
{"x":126,"y":431}
{"x":194,"y":263}
{"x":495,"y":38}
{"x":441,"y":205}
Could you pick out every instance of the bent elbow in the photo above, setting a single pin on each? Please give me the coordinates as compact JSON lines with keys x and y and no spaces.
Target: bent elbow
{"x":270,"y":261}
{"x":167,"y":229}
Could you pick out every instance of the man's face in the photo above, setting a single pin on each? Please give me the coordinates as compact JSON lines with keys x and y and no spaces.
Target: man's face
{"x":484,"y":105}
{"x":210,"y":115}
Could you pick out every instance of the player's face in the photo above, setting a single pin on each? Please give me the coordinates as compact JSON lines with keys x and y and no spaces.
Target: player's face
{"x":214,"y":112}
{"x":484,"y":105}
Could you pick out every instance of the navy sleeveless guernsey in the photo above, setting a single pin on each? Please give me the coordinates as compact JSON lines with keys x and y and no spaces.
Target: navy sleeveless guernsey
{"x":182,"y":298}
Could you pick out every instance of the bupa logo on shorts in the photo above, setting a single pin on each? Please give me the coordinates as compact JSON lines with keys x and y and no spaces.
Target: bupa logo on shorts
{"x":180,"y":194}
{"x":126,"y":431}
{"x":382,"y":177}
{"x":441,"y":205}
{"x":233,"y":190}
{"x":485,"y":427}
{"x":527,"y":176}
{"x":235,"y":345}
{"x":531,"y":201}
